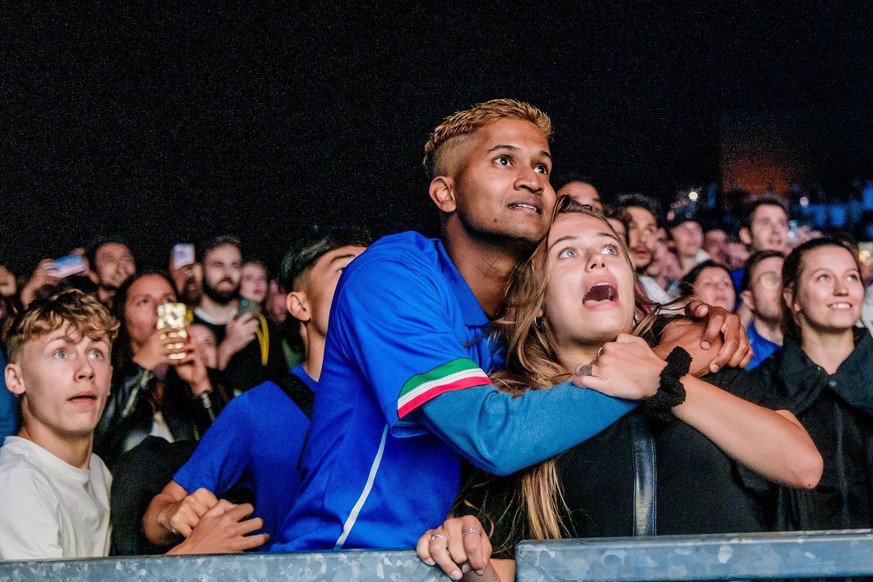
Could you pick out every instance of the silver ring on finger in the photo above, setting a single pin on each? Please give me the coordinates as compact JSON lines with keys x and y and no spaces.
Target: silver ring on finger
{"x":434,"y":536}
{"x":472,"y":530}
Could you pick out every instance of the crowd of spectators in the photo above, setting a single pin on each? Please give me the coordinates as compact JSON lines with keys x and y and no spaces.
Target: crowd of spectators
{"x":489,"y":378}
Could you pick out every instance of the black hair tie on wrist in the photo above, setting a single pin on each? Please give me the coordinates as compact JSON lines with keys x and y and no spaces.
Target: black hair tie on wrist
{"x":670,"y":392}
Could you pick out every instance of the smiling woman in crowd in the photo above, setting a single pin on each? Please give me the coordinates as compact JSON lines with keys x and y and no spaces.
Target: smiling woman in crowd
{"x":823,"y":373}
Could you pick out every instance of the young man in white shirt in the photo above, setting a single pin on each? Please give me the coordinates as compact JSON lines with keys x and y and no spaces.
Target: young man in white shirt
{"x":55,"y":490}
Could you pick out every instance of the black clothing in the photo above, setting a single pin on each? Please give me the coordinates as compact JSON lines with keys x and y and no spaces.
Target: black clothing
{"x":698,"y":487}
{"x":129,"y":414}
{"x":137,"y":477}
{"x":837,"y":411}
{"x":246,"y":368}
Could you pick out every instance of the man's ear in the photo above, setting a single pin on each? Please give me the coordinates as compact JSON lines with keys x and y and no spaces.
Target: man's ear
{"x":14,"y":381}
{"x":746,"y":236}
{"x":748,"y":299}
{"x":297,"y":304}
{"x":442,"y":192}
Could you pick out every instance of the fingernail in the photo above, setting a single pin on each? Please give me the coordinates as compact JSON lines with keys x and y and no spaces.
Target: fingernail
{"x":714,"y":367}
{"x":456,"y":574}
{"x":430,"y":562}
{"x":480,"y":572}
{"x":705,"y":345}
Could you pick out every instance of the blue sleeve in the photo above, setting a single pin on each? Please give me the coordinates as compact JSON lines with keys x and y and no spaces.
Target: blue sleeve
{"x":222,"y":455}
{"x":501,"y":434}
{"x":9,"y":413}
{"x":396,"y":321}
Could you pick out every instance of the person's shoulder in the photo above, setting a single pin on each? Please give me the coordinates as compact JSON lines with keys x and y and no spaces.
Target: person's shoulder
{"x":200,"y":316}
{"x":20,"y":471}
{"x":407,"y":241}
{"x":265,"y":403}
{"x":404,"y":263}
{"x":405,"y":248}
{"x":265,"y":395}
{"x":653,"y":291}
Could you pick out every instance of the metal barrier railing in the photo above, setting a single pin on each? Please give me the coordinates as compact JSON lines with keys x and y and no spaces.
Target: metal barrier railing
{"x":342,"y":566}
{"x":700,"y":557}
{"x":680,"y":558}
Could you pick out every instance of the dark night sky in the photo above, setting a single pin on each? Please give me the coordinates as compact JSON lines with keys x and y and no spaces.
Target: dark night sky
{"x":169,"y":124}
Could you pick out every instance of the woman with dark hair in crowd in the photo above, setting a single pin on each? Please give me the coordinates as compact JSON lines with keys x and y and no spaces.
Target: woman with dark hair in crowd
{"x":161,"y":386}
{"x":575,"y":300}
{"x":710,"y":282}
{"x":823,"y":375}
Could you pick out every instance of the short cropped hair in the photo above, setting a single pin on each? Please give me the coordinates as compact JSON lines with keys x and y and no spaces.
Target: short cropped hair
{"x":750,"y":208}
{"x":637,"y":200}
{"x":318,"y":242}
{"x":471,"y":120}
{"x":86,"y":316}
{"x":100,"y":240}
{"x":753,"y":262}
{"x":221,"y":240}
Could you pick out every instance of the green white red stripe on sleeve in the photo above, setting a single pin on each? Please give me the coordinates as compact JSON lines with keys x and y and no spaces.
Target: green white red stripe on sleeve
{"x":454,"y":375}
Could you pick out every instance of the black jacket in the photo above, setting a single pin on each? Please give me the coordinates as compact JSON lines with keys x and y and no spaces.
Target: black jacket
{"x":837,"y":411}
{"x":129,"y":413}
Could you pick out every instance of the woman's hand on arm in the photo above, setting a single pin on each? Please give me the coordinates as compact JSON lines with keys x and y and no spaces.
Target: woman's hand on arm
{"x":461,"y":549}
{"x":626,"y":368}
{"x":771,"y":443}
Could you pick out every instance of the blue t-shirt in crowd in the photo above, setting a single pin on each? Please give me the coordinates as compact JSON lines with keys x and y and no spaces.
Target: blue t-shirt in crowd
{"x":404,"y":328}
{"x":761,"y":346}
{"x":254,"y":443}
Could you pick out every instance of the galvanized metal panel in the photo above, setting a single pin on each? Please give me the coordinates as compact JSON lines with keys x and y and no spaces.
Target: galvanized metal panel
{"x":702,"y":557}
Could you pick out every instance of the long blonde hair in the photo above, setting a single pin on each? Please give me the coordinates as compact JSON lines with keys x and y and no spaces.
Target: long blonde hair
{"x":531,"y":364}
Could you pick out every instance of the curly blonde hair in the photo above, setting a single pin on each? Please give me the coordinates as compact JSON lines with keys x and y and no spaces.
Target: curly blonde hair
{"x":86,"y":317}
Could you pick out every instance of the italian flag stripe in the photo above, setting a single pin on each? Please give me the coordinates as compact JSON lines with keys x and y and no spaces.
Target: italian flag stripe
{"x":458,"y":374}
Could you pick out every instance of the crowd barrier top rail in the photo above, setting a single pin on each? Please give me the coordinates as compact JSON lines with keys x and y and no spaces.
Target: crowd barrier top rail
{"x":679,"y":558}
{"x":758,"y":556}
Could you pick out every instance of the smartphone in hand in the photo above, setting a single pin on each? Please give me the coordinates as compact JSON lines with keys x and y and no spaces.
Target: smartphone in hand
{"x":68,"y":265}
{"x":248,"y":306}
{"x":171,"y":316}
